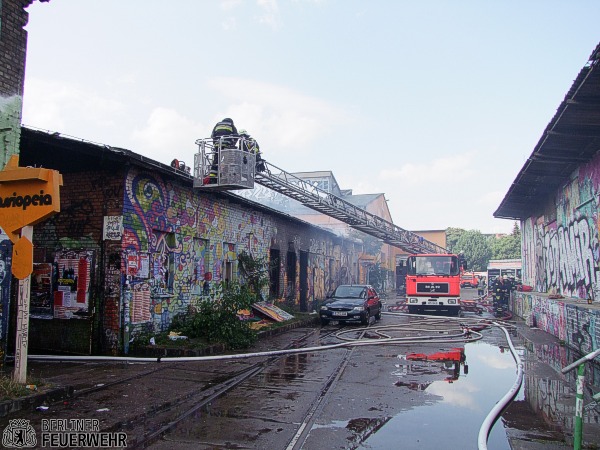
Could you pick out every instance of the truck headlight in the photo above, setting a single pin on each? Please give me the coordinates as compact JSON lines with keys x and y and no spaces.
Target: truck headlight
{"x":452,"y":301}
{"x":412,"y":300}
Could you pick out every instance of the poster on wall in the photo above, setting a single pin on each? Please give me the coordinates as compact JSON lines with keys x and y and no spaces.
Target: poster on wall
{"x":113,"y":228}
{"x":74,"y":270}
{"x":5,"y":278}
{"x":41,"y":286}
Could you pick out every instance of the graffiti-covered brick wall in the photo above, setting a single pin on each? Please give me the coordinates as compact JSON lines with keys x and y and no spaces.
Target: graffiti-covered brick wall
{"x":180,"y":243}
{"x":577,"y":326}
{"x":13,"y":48}
{"x":560,"y":247}
{"x":84,"y":285}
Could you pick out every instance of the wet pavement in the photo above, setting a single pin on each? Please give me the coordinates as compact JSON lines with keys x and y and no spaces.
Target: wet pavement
{"x":372,"y":397}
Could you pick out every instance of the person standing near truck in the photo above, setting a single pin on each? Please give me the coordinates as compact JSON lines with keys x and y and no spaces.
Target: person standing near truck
{"x":481,"y":284}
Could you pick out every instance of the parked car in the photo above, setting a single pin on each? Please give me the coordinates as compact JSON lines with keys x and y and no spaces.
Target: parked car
{"x":351,"y":302}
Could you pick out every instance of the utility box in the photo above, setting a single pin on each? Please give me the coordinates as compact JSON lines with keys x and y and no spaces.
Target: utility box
{"x":220,"y":168}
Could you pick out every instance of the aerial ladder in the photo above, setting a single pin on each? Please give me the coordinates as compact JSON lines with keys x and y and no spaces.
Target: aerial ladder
{"x":220,"y":166}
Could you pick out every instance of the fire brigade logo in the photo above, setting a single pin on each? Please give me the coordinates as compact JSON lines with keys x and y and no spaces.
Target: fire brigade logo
{"x":19,"y":434}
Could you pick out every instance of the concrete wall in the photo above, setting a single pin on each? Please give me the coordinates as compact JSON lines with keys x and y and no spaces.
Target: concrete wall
{"x":560,"y":246}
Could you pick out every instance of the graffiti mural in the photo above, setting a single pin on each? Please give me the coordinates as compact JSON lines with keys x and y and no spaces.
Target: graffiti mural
{"x":184,"y":234}
{"x":566,"y":258}
{"x":10,"y":127}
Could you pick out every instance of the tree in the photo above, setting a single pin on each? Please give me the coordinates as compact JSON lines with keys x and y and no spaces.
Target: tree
{"x":476,"y":249}
{"x":452,"y":236}
{"x":508,"y":247}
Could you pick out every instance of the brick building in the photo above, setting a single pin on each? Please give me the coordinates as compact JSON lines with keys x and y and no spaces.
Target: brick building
{"x":134,"y":245}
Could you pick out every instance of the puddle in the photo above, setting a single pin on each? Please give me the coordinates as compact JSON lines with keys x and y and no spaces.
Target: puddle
{"x":461,"y":404}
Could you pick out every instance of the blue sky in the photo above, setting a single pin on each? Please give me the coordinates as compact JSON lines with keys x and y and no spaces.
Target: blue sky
{"x":437,"y":104}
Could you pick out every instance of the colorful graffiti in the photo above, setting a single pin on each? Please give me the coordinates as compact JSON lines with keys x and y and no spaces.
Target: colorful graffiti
{"x":187,"y":236}
{"x":563,"y":258}
{"x":10,"y":127}
{"x":576,"y":326}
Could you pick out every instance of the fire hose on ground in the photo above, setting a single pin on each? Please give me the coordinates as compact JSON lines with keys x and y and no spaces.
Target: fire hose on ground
{"x":467,"y":333}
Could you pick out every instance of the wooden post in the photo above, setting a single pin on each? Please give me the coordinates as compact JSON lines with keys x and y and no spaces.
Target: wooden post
{"x":20,"y":374}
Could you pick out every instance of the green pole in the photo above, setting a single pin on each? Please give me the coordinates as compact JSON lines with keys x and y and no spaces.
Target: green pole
{"x":578,"y":431}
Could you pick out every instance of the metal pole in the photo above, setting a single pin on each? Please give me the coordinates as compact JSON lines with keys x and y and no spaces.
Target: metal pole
{"x":578,"y":431}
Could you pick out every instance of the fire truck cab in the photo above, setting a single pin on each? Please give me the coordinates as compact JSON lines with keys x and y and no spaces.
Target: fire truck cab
{"x":433,"y":283}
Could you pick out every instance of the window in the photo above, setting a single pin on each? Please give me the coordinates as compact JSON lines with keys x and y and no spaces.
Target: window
{"x":164,"y":262}
{"x":200,"y":256}
{"x":229,"y":259}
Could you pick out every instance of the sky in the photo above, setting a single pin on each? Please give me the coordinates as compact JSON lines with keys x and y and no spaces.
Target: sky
{"x":436,"y":104}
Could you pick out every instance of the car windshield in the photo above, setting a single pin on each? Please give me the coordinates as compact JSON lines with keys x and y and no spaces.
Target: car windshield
{"x":350,"y":292}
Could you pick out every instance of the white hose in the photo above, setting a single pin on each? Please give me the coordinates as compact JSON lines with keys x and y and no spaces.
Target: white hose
{"x":488,"y":423}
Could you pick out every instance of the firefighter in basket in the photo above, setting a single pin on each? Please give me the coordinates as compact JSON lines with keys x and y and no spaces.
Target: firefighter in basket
{"x":248,"y":144}
{"x":224,"y":135}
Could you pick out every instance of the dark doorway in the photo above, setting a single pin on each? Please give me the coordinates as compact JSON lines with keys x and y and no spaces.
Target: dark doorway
{"x":303,"y":281}
{"x":401,"y":278}
{"x":290,"y":289}
{"x":274,"y":264}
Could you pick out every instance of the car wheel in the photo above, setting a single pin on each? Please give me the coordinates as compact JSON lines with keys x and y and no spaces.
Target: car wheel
{"x":364,"y":320}
{"x":324,"y":322}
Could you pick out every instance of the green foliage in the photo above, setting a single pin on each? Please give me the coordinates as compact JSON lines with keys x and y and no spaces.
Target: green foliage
{"x":476,"y":249}
{"x":255,"y":271}
{"x":217,"y":321}
{"x":452,"y":236}
{"x":508,"y":247}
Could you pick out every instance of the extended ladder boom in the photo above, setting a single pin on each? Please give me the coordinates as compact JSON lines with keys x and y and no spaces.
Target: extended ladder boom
{"x":320,"y":200}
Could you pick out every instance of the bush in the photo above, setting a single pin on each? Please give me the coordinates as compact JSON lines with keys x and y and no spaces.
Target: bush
{"x":217,"y":321}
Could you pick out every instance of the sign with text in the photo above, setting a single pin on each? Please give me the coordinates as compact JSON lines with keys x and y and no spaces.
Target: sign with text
{"x":113,"y":228}
{"x":28,"y":195}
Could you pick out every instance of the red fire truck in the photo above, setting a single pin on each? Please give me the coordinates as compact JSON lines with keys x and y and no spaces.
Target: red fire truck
{"x":433,"y":283}
{"x":469,"y":279}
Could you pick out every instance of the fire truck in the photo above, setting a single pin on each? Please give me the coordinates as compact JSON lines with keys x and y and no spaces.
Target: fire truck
{"x":468,"y":279}
{"x":433,"y":283}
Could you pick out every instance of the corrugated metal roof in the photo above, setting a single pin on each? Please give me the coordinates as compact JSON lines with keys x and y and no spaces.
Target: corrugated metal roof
{"x":572,"y":138}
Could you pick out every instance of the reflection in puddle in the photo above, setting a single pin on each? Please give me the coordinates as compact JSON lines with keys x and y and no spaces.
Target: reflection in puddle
{"x":464,"y":398}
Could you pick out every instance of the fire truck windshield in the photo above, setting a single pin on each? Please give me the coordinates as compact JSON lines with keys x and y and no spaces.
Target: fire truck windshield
{"x":433,"y":265}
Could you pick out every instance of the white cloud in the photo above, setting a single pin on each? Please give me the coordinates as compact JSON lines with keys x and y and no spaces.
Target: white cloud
{"x":167,"y":135}
{"x":48,"y":104}
{"x":452,"y":168}
{"x":270,"y":13}
{"x":284,"y":118}
{"x":229,"y":5}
